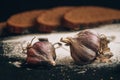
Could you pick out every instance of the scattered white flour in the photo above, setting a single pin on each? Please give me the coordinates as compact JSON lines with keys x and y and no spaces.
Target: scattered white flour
{"x":12,"y":47}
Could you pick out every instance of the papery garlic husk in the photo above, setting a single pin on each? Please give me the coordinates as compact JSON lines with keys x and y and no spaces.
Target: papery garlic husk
{"x":104,"y":52}
{"x":85,"y":46}
{"x":41,"y":52}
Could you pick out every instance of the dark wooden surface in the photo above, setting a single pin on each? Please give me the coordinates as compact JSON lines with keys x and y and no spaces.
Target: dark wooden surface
{"x":60,"y":72}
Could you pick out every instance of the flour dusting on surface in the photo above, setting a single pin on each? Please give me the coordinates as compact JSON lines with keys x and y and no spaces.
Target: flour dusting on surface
{"x":13,"y":47}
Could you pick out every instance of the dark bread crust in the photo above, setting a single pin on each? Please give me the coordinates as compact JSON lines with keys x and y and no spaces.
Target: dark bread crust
{"x":45,"y":28}
{"x":21,"y":21}
{"x":51,"y":19}
{"x":88,"y":16}
{"x":2,"y":26}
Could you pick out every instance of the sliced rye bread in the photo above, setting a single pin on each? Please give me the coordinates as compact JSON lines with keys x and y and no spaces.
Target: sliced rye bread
{"x":2,"y":26}
{"x":51,"y":19}
{"x":89,"y":16}
{"x":21,"y":21}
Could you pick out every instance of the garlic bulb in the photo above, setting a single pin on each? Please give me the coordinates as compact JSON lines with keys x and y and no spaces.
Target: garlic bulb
{"x":85,"y":46}
{"x":41,"y":52}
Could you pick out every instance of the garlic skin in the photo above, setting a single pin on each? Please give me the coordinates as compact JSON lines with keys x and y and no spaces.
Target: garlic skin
{"x":104,"y":52}
{"x":41,"y":52}
{"x":85,"y":46}
{"x":90,"y":39}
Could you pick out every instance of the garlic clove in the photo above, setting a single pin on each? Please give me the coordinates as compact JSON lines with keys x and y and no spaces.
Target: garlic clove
{"x":41,"y":51}
{"x":90,"y":39}
{"x":46,"y":49}
{"x":80,"y":53}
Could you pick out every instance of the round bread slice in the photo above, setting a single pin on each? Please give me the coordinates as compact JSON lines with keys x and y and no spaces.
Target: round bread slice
{"x":87,"y":16}
{"x":51,"y":19}
{"x":21,"y":21}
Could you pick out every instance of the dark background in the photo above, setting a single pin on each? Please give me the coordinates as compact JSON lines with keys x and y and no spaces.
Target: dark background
{"x":9,"y":7}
